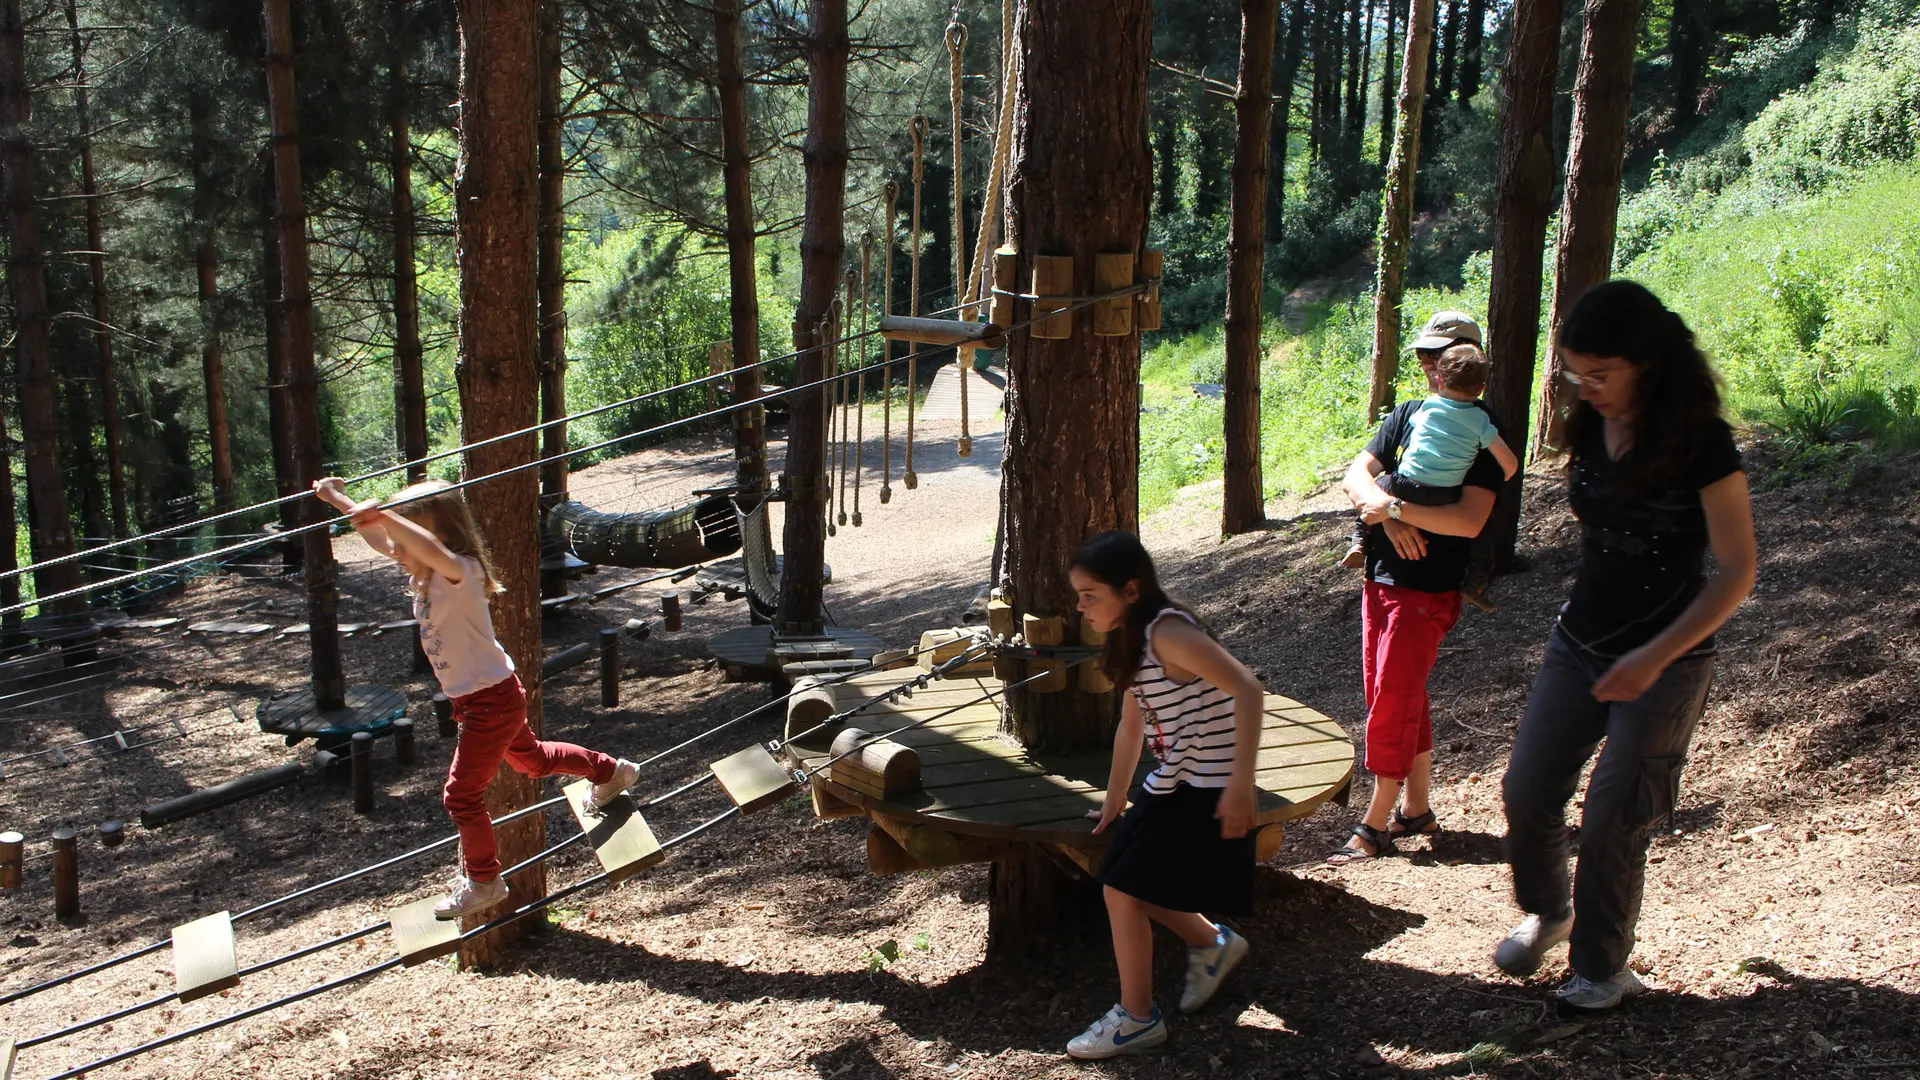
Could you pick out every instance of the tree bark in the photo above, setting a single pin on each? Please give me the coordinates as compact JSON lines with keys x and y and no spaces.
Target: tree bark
{"x":1386,"y":88}
{"x":553,"y":269}
{"x":822,"y":249}
{"x":9,"y":542}
{"x":409,"y":378}
{"x":1080,"y":185}
{"x":50,"y":521}
{"x":1166,"y":152}
{"x":1243,"y":502}
{"x":1596,"y":154}
{"x":97,"y":268}
{"x":1523,"y":196}
{"x":1212,"y":185}
{"x":1449,"y":46}
{"x":206,"y":201}
{"x":743,"y":297}
{"x":1356,"y":107}
{"x":1396,"y":215}
{"x":279,"y":412}
{"x":1472,"y":43}
{"x":1281,"y":123}
{"x":497,"y":220}
{"x":303,"y":383}
{"x":1687,"y":42}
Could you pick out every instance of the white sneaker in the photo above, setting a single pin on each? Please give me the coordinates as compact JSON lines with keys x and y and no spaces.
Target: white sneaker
{"x":469,"y":896}
{"x":1519,"y":954}
{"x":1207,"y":966}
{"x":1118,"y":1033}
{"x":1581,"y":995}
{"x":625,"y":775}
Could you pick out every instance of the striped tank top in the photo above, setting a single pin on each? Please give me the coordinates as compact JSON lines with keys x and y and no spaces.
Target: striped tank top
{"x":1189,"y":724}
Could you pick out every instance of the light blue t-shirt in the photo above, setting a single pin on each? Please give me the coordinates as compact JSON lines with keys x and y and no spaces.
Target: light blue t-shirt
{"x":1447,"y":435}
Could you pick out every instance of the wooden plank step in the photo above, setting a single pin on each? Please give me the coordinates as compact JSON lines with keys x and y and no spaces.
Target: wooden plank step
{"x":226,"y":626}
{"x":204,"y":961}
{"x":6,"y":1058}
{"x":753,"y":779}
{"x":418,"y":936}
{"x":618,"y":834}
{"x":800,"y":669}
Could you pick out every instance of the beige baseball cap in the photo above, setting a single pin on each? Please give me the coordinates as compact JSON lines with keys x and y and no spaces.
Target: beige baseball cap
{"x":1446,"y":329}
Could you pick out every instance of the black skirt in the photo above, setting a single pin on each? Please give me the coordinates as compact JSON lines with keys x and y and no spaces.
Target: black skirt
{"x":1167,"y":850}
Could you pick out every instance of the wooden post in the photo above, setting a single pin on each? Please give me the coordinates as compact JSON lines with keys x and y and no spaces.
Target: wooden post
{"x":66,"y":874}
{"x":113,"y":833}
{"x":670,"y":611}
{"x":404,"y":751}
{"x":12,"y":852}
{"x":443,"y":714}
{"x":421,"y":665}
{"x":609,"y":668}
{"x":362,"y":772}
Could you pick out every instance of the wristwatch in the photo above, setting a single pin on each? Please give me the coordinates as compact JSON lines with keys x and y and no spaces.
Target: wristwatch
{"x":1393,"y":508}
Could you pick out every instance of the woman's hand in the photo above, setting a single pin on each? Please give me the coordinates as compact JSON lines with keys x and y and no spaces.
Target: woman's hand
{"x":1631,"y":676}
{"x":1408,"y":542}
{"x":1112,"y":808}
{"x":333,"y":491}
{"x":1237,"y":810}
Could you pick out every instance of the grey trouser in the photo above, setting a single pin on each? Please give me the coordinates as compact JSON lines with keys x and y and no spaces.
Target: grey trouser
{"x":1632,"y":791}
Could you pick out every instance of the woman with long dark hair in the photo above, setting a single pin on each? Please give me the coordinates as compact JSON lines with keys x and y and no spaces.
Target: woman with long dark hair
{"x":1656,"y":481}
{"x":1185,"y":845}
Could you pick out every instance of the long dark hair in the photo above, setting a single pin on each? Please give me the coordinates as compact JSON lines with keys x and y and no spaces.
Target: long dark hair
{"x":1676,"y":395}
{"x":1115,"y":558}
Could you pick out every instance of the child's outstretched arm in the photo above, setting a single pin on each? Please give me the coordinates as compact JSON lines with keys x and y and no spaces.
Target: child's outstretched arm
{"x":1128,"y":740}
{"x":1181,"y":644}
{"x":365,"y":517}
{"x":1502,"y":453}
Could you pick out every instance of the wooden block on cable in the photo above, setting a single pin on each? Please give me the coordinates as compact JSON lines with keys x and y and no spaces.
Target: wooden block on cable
{"x":1093,"y":679}
{"x":875,"y":767}
{"x":1113,"y":318}
{"x":618,"y":834}
{"x":1005,"y":271}
{"x":1052,"y":276}
{"x":1153,"y":263}
{"x":419,"y":936}
{"x":1000,"y":622}
{"x":939,"y":646}
{"x":891,"y":660}
{"x":1043,"y":631}
{"x":204,"y":961}
{"x":810,"y":706}
{"x":753,"y":779}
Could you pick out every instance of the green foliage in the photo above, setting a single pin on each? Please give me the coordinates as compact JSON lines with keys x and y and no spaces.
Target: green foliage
{"x":1863,"y":107}
{"x":878,"y":959}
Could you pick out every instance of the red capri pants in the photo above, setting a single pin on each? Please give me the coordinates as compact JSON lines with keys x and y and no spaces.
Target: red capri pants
{"x":493,"y":728}
{"x":1401,"y":630}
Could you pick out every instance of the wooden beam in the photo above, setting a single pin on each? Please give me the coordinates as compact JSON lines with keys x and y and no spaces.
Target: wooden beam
{"x":931,"y":847}
{"x":941,"y":331}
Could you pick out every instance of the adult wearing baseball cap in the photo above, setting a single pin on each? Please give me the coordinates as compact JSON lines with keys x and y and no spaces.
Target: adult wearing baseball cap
{"x":1442,"y":332}
{"x":1445,"y":330}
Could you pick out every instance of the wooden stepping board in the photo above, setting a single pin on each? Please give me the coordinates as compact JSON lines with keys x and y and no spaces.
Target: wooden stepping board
{"x":204,"y":962}
{"x":224,"y":626}
{"x":753,"y":779}
{"x":420,"y":937}
{"x":618,"y":834}
{"x":6,"y":1059}
{"x":367,"y":708}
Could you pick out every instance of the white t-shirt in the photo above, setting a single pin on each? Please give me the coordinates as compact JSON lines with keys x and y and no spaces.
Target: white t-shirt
{"x":456,"y":631}
{"x":1189,"y":724}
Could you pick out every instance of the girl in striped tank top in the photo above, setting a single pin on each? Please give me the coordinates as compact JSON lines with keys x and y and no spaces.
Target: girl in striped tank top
{"x":1186,"y":843}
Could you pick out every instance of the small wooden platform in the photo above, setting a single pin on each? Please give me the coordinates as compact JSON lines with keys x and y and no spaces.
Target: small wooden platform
{"x":204,"y":960}
{"x":418,"y":936}
{"x":368,"y":708}
{"x":978,"y":784}
{"x":747,"y":652}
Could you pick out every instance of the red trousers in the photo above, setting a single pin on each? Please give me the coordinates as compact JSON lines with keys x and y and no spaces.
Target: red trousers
{"x":493,"y":728}
{"x":1401,"y":630}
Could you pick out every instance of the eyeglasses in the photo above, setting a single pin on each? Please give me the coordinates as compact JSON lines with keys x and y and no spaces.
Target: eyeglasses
{"x":1590,"y":381}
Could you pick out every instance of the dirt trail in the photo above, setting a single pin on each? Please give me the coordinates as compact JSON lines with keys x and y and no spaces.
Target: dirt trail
{"x":1777,"y":934}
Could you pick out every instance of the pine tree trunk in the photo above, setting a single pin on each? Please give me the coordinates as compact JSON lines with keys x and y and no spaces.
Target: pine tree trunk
{"x":1211,"y":173}
{"x":497,"y":200}
{"x":553,"y":270}
{"x":743,"y":297}
{"x":1356,"y":107}
{"x":1523,"y":199}
{"x":1396,"y":214}
{"x":1687,"y":43}
{"x":1166,"y":152}
{"x":1080,"y":185}
{"x":207,"y":273}
{"x":50,"y":522}
{"x":9,"y":543}
{"x":1386,"y":87}
{"x":279,"y":412}
{"x":1243,"y":502}
{"x":1472,"y":45}
{"x":1280,"y":127}
{"x":822,"y":250}
{"x":303,"y":382}
{"x":1448,"y":51}
{"x":409,"y":379}
{"x":1596,"y":154}
{"x":97,"y":268}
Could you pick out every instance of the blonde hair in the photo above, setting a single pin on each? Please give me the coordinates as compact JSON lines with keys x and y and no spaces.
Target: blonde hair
{"x":439,"y":508}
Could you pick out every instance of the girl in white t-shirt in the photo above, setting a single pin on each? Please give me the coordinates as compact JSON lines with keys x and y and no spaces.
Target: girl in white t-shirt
{"x":431,"y":533}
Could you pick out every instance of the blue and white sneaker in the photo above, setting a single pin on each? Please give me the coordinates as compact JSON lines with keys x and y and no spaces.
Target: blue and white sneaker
{"x":1581,"y":996}
{"x":1206,"y":967}
{"x":1118,"y":1033}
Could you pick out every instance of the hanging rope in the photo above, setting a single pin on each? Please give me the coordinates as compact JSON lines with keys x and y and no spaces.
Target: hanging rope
{"x":980,"y":296}
{"x":860,"y":398}
{"x":963,"y":359}
{"x":919,"y":129}
{"x":847,"y":280}
{"x":829,"y":325}
{"x":886,"y":373}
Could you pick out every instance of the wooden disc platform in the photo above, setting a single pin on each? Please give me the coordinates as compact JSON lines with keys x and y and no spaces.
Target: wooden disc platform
{"x":368,"y":708}
{"x":747,"y":652}
{"x":982,"y":795}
